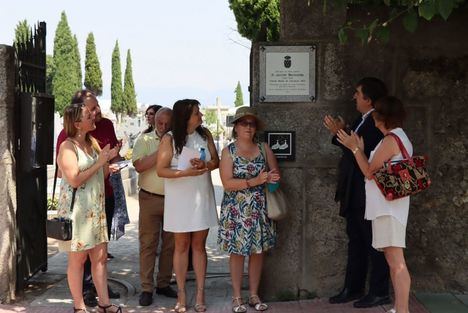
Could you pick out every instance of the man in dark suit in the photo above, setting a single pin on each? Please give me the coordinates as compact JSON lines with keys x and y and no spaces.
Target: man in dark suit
{"x":350,"y":192}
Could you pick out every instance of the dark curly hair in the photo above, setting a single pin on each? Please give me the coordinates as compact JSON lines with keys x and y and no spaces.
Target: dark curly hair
{"x":181,"y":112}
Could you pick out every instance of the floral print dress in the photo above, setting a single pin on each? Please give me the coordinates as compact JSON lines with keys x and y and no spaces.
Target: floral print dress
{"x":88,"y":216}
{"x":244,"y":227}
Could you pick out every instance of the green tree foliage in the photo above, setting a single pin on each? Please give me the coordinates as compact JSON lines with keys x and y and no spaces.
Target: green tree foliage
{"x":93,"y":74}
{"x":129,"y":95}
{"x":50,"y":69}
{"x":77,"y":59}
{"x":23,"y":32}
{"x":210,"y":117}
{"x":66,"y":77}
{"x":116,"y":83}
{"x":409,"y":12}
{"x":257,"y":20}
{"x":239,"y":97}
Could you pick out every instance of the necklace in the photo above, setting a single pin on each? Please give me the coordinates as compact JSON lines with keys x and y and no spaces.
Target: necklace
{"x":79,"y":145}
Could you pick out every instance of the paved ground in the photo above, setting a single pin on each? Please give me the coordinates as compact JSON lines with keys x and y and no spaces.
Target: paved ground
{"x":48,"y":292}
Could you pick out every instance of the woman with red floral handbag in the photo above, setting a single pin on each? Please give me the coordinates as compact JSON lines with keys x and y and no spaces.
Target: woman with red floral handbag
{"x":388,"y":218}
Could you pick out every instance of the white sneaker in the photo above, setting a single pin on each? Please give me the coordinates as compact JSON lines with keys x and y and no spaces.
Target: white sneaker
{"x":391,"y":311}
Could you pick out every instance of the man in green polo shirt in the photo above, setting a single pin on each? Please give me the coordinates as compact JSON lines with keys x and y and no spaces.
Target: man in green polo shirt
{"x":151,"y":200}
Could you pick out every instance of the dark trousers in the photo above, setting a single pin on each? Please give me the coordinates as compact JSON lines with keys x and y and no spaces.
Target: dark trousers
{"x":87,"y":277}
{"x":360,"y":251}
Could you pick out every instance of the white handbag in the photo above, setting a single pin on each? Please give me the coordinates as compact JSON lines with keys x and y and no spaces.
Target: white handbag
{"x":276,"y":204}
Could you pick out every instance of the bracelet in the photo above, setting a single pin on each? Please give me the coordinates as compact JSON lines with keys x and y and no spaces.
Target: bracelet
{"x":247,"y":182}
{"x":355,"y":150}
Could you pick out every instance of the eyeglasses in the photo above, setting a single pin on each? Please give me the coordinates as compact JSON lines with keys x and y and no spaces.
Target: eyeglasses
{"x":252,"y":124}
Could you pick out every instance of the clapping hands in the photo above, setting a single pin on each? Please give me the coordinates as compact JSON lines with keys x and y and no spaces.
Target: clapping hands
{"x":333,"y":124}
{"x":351,"y":141}
{"x":104,"y":155}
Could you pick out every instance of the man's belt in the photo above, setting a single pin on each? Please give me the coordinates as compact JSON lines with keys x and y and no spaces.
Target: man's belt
{"x":151,"y":193}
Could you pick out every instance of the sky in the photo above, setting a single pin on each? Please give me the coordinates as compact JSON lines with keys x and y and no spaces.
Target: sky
{"x":180,"y":48}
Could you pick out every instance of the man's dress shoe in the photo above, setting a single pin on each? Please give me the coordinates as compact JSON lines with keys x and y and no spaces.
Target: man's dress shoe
{"x":345,"y":296}
{"x":369,"y":301}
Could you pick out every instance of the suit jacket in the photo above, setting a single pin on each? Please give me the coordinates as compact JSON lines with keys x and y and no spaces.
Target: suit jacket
{"x":350,"y":190}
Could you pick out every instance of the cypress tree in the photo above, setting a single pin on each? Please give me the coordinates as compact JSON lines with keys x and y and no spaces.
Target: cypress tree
{"x":22,"y":32}
{"x":65,"y":77}
{"x":116,"y":83}
{"x":239,"y":97}
{"x":93,"y":74}
{"x":129,"y":96}
{"x":77,"y":60}
{"x":50,"y":69}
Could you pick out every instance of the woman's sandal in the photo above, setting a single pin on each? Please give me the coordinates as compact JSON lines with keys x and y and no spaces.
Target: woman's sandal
{"x":179,"y":307}
{"x":107,"y":308}
{"x":254,"y":301}
{"x":238,"y":306}
{"x":200,"y":307}
{"x":80,"y":310}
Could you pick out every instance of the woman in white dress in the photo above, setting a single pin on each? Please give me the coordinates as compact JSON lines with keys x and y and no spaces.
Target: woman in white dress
{"x":388,"y":217}
{"x":189,"y":206}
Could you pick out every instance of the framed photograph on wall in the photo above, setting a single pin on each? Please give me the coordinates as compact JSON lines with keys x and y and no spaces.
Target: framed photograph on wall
{"x":282,"y":143}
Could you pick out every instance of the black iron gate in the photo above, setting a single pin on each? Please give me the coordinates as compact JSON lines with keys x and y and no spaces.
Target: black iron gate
{"x":34,"y":114}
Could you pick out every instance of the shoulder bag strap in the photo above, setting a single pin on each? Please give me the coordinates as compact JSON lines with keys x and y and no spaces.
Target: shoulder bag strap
{"x":55,"y":179}
{"x":73,"y":200}
{"x":400,"y":145}
{"x":262,"y":150}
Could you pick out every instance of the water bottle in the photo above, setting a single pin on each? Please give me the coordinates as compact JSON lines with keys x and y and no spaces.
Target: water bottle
{"x":202,"y":154}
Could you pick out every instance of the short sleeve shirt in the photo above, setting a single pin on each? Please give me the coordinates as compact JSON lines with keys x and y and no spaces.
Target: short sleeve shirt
{"x":148,"y":180}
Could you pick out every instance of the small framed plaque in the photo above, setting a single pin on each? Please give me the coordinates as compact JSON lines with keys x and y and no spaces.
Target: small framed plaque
{"x":287,"y":73}
{"x":282,"y":143}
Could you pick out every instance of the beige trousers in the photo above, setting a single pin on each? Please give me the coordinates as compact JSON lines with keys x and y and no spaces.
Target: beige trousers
{"x":150,"y":229}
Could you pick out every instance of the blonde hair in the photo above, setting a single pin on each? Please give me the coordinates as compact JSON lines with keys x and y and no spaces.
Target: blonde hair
{"x":72,"y":114}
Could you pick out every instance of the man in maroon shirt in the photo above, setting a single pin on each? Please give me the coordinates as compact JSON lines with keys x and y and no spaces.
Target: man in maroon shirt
{"x":104,"y":134}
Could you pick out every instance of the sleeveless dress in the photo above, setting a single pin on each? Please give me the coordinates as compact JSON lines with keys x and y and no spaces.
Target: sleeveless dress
{"x":376,"y":204}
{"x":244,"y":227}
{"x":189,"y":202}
{"x":88,"y":216}
{"x":389,"y":218}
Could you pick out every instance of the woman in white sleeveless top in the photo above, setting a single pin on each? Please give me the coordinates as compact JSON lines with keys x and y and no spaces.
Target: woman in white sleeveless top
{"x":189,"y":206}
{"x":388,"y":217}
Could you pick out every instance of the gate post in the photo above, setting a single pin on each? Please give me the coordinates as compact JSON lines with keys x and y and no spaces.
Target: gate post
{"x":7,"y":176}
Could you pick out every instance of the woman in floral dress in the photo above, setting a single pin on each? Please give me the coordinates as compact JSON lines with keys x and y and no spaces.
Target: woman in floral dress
{"x":245,"y":229}
{"x":83,"y":166}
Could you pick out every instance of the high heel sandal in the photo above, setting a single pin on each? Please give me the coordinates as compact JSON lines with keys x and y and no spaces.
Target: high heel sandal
{"x":254,"y":301}
{"x":105,"y":308}
{"x":238,"y":306}
{"x":200,"y":307}
{"x":179,"y":307}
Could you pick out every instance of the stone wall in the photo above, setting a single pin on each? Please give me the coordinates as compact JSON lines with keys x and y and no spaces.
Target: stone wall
{"x":428,"y":70}
{"x":7,"y":177}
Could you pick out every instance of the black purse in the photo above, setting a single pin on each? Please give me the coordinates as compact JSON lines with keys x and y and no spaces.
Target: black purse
{"x":60,"y":228}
